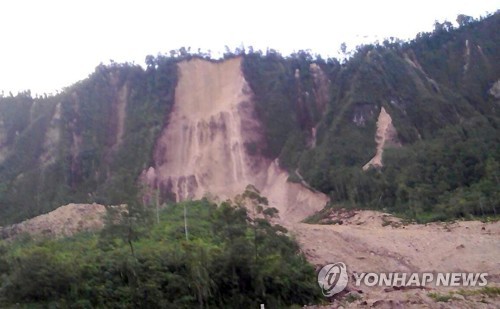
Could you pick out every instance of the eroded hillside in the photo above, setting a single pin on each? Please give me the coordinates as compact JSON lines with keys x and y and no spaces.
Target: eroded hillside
{"x":422,"y":117}
{"x":205,"y":148}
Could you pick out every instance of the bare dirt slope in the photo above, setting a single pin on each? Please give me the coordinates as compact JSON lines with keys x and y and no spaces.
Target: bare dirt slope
{"x":385,"y":136}
{"x":370,"y":241}
{"x":204,"y":149}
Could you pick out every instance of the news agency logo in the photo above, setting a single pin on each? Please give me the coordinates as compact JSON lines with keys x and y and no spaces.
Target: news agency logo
{"x":333,"y":278}
{"x":421,"y":279}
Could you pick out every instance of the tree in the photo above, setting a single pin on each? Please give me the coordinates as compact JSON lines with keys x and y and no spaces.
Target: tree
{"x":464,"y":20}
{"x":446,"y":26}
{"x":150,"y":61}
{"x":343,"y":48}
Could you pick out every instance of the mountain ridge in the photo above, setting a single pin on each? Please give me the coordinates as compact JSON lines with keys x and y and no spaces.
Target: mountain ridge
{"x":318,"y":117}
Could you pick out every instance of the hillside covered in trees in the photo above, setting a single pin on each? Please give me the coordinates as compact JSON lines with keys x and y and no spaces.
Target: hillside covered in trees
{"x":225,"y":258}
{"x":91,"y":142}
{"x":318,"y":121}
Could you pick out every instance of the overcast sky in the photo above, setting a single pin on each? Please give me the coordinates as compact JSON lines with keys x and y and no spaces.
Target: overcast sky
{"x":46,"y":45}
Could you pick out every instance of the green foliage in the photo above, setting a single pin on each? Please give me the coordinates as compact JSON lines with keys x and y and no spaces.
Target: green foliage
{"x":352,"y":297}
{"x":271,"y":80}
{"x":441,"y":297}
{"x":283,"y":89}
{"x":87,"y":162}
{"x":490,"y":291}
{"x":447,"y":123}
{"x":219,"y":266}
{"x":435,"y":88}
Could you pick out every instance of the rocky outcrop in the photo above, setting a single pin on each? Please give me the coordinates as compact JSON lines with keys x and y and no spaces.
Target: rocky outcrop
{"x":495,"y":89}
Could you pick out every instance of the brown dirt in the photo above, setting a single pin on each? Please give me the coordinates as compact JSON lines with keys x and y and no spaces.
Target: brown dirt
{"x":203,"y":150}
{"x":64,"y":221}
{"x":495,"y":89}
{"x":370,"y":241}
{"x":385,"y":136}
{"x":466,"y":57}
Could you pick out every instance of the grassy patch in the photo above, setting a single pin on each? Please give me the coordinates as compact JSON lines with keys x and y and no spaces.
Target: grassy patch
{"x":490,"y":219}
{"x":352,"y":297}
{"x":441,"y":297}
{"x":489,"y":291}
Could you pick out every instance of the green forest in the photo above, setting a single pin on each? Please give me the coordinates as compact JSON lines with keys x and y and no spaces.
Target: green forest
{"x":83,"y":165}
{"x":447,"y":121}
{"x":225,"y":258}
{"x":436,"y":89}
{"x":319,"y":119}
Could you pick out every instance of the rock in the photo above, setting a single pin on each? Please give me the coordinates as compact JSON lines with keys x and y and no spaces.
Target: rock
{"x":458,"y":297}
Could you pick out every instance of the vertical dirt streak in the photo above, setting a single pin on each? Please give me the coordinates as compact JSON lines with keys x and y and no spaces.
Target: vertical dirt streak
{"x":121,"y":113}
{"x":202,"y":146}
{"x":385,"y":135}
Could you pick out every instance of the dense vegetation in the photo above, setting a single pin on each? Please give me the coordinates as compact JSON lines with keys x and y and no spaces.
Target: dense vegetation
{"x":226,"y":260}
{"x":436,"y":89}
{"x":321,"y":127}
{"x":84,"y":162}
{"x":319,"y":118}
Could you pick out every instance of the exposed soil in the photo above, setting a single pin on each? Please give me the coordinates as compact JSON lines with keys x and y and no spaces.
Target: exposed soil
{"x":370,"y":241}
{"x":202,"y":151}
{"x":64,"y":221}
{"x":385,"y":136}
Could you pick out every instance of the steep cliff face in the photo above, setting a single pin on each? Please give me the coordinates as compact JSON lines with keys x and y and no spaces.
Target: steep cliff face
{"x":205,"y":148}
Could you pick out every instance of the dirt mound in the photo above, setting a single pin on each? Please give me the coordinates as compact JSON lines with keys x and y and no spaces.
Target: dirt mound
{"x":64,"y":221}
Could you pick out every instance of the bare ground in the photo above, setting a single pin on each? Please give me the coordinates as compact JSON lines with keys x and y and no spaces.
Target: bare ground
{"x":203,"y":152}
{"x":64,"y":221}
{"x":385,"y":135}
{"x":366,"y":241}
{"x":370,"y":241}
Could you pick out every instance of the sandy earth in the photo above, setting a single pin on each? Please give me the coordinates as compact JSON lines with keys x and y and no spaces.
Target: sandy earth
{"x":203,"y":151}
{"x":293,"y":200}
{"x":385,"y":135}
{"x":495,"y":89}
{"x":366,"y":241}
{"x":64,"y":221}
{"x":370,"y":241}
{"x":466,"y":57}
